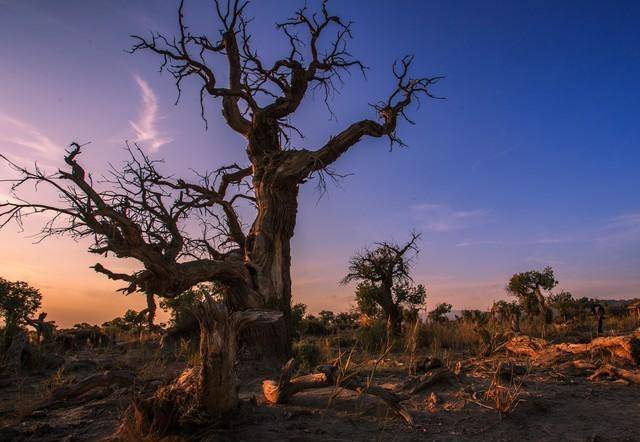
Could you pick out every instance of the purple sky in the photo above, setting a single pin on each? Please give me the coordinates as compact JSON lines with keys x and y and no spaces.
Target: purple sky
{"x":531,"y":161}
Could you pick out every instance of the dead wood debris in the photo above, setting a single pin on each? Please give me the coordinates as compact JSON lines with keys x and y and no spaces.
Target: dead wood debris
{"x":122,"y":378}
{"x":625,"y":348}
{"x":570,"y":358}
{"x":281,"y":391}
{"x":608,"y":371}
{"x":427,"y":380}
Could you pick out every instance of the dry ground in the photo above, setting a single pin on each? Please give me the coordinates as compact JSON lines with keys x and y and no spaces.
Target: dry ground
{"x":551,"y":405}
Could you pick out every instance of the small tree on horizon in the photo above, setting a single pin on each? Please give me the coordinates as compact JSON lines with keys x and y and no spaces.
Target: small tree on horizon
{"x":528,"y":288}
{"x":440,"y":312}
{"x":385,"y":282}
{"x":18,"y":301}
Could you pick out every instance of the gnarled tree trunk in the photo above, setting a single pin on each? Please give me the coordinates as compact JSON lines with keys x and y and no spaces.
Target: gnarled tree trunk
{"x":204,"y":392}
{"x":144,"y":218}
{"x":268,"y":251}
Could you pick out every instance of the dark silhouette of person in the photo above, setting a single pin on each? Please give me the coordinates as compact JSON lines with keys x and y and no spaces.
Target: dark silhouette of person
{"x":598,"y":312}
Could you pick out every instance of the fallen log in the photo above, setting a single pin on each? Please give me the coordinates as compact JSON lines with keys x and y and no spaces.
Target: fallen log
{"x":427,"y":380}
{"x":624,"y":348}
{"x":428,"y":363}
{"x":578,"y":367}
{"x":120,"y":378}
{"x":535,"y":348}
{"x":281,"y":391}
{"x":608,"y":371}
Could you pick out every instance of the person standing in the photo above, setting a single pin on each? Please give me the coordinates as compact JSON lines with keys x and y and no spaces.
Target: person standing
{"x":598,"y":312}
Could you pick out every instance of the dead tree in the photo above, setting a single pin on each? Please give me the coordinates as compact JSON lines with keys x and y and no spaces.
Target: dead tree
{"x":386,"y":271}
{"x":44,"y":329}
{"x":140,"y":213}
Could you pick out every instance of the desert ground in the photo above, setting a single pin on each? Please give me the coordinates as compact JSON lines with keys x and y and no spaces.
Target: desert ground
{"x":507,"y":388}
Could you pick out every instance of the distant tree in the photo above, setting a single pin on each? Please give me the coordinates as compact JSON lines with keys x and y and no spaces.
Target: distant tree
{"x":503,"y":311}
{"x":44,"y":329}
{"x":297,"y":313}
{"x":384,"y":273}
{"x":507,"y":312}
{"x":565,"y":304}
{"x":18,"y":301}
{"x":181,"y":307}
{"x":528,"y":288}
{"x":81,"y":325}
{"x":345,"y":320}
{"x":132,"y":320}
{"x":117,"y":324}
{"x":135,"y":320}
{"x":312,"y":325}
{"x":474,"y":316}
{"x":366,"y":304}
{"x":439,"y":314}
{"x":327,"y":316}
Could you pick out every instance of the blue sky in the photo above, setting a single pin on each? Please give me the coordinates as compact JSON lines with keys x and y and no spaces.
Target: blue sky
{"x":530,"y":161}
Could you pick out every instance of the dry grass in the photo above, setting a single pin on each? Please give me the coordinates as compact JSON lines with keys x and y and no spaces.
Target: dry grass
{"x":134,"y":426}
{"x":57,"y":380}
{"x":504,"y":398}
{"x":500,"y":397}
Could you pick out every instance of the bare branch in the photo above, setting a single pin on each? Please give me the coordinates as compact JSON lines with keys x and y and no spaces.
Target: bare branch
{"x":142,"y":215}
{"x":407,"y":91}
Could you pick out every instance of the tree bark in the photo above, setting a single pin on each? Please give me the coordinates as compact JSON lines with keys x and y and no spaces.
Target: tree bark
{"x":268,"y":251}
{"x":391,"y":310}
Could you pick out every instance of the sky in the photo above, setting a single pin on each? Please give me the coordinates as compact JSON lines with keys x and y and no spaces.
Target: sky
{"x":532,"y":159}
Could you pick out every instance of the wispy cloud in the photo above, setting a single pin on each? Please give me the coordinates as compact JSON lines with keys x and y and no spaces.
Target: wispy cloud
{"x":477,"y":243}
{"x":21,"y":135}
{"x":530,"y":242}
{"x":442,"y":218}
{"x":621,"y":228}
{"x":545,"y":261}
{"x":147,"y":133}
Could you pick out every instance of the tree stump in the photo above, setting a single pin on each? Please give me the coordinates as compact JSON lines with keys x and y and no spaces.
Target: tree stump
{"x":206,"y":392}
